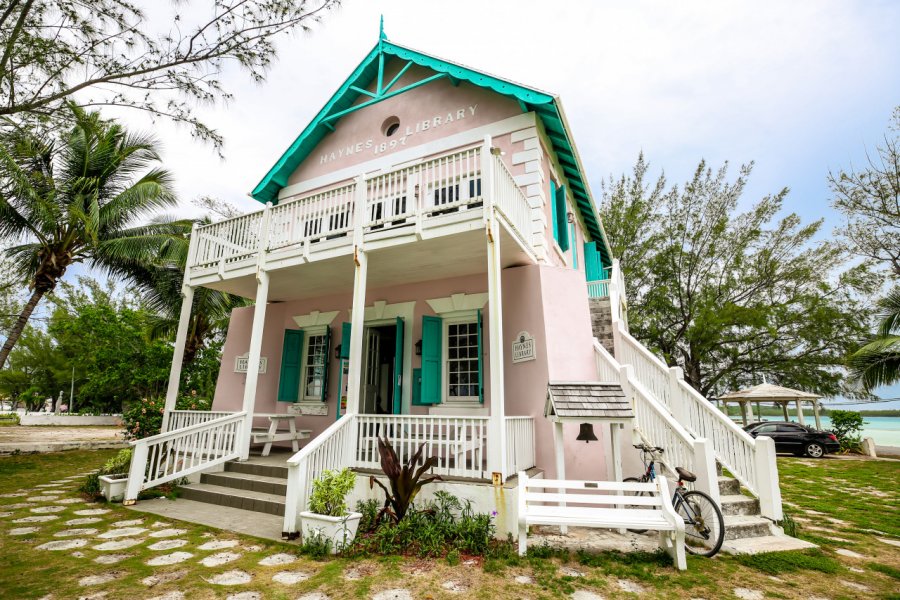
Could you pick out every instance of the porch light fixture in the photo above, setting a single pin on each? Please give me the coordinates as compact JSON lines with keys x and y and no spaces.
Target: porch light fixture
{"x":570,"y":217}
{"x":497,"y":151}
{"x":419,"y":348}
{"x":586,"y":433}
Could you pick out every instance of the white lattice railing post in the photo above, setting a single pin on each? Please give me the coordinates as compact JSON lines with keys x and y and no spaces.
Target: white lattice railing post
{"x":705,"y":469}
{"x":135,"y":474}
{"x":767,"y":483}
{"x":677,"y":405}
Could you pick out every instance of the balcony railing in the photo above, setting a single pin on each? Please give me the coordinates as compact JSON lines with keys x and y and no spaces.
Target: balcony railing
{"x":415,"y":196}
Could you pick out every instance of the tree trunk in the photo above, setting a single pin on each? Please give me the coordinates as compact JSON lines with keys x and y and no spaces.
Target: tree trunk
{"x":19,"y":325}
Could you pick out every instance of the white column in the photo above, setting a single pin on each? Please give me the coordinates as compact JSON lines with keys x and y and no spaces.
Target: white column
{"x":800,"y":418}
{"x":816,"y":413}
{"x":256,"y":335}
{"x":559,"y":451}
{"x":187,"y":301}
{"x":496,"y":429}
{"x":358,"y":312}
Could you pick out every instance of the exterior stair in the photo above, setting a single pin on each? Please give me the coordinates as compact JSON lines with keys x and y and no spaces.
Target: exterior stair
{"x":247,"y":486}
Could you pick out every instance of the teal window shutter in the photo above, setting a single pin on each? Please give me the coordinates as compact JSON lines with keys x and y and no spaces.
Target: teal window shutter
{"x":553,"y":207}
{"x":562,"y":218}
{"x":289,"y":378}
{"x":432,"y":363}
{"x":574,"y":238}
{"x":327,"y":362}
{"x":398,"y":365}
{"x":480,"y":360}
{"x":592,"y":266}
{"x":417,"y":387}
{"x":345,"y":340}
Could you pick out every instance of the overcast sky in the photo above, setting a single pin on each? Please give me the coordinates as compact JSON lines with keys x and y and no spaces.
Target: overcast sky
{"x":799,"y":87}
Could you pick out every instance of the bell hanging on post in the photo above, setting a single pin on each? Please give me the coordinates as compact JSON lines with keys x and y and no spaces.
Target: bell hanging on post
{"x":586,"y":433}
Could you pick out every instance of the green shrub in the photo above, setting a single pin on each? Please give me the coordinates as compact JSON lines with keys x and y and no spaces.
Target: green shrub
{"x":144,"y":419}
{"x":371,"y":514}
{"x":847,"y":426}
{"x":317,"y":546}
{"x":7,"y":419}
{"x":117,"y":465}
{"x":329,"y":493}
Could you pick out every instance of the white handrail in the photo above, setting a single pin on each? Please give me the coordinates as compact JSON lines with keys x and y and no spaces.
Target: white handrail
{"x":179,"y":453}
{"x":227,"y":241}
{"x":598,"y":288}
{"x":322,"y":215}
{"x":509,"y":200}
{"x":178,"y":419}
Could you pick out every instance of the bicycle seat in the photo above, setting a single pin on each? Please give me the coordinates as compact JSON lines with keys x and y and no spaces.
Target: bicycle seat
{"x":685,"y":475}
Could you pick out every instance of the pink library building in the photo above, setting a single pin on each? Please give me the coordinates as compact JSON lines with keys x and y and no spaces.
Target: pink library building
{"x":428,"y":264}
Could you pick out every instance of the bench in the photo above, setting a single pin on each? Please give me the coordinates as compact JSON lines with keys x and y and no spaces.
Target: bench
{"x":602,"y":504}
{"x":272,"y":434}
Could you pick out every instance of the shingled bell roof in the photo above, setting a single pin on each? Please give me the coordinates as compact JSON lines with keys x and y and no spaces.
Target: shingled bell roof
{"x":587,"y":401}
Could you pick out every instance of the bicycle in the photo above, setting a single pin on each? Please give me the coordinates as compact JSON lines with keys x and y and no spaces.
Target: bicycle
{"x":703,"y":521}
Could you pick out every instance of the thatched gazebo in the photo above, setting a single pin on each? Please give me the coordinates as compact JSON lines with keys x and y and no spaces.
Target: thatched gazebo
{"x":777,"y":395}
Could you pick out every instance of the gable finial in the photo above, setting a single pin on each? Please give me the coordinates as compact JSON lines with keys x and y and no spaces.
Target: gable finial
{"x":381,"y":35}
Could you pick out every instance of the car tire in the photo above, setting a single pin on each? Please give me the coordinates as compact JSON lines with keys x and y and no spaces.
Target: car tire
{"x":815,"y":450}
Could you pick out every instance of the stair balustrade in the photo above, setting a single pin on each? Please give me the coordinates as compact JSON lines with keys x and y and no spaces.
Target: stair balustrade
{"x":519,"y":444}
{"x":179,"y":419}
{"x":181,"y":452}
{"x":509,"y":201}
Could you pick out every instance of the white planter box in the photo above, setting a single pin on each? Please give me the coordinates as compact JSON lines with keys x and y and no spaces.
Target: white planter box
{"x":113,"y":487}
{"x":340,"y":530}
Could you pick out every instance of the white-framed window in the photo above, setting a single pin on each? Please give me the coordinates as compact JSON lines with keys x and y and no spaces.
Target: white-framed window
{"x":315,"y":355}
{"x":461,"y":380}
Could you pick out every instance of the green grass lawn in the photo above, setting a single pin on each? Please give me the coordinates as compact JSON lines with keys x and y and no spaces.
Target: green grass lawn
{"x":838,"y":504}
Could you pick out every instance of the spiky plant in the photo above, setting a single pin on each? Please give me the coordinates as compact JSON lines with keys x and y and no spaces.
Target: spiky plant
{"x":406,"y":480}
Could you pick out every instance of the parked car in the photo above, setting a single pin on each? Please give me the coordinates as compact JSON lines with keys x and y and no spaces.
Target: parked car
{"x":795,"y":438}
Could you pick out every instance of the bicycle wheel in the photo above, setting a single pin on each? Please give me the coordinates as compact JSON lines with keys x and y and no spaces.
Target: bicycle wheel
{"x":704,"y":526}
{"x":635,"y":480}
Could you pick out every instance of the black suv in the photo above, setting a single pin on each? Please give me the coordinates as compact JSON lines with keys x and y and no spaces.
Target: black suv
{"x":795,"y":438}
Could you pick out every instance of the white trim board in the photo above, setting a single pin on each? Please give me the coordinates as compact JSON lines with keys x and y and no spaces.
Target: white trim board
{"x":315,"y":319}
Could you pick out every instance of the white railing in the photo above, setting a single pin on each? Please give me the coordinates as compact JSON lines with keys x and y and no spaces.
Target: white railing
{"x":179,"y":419}
{"x":509,"y":200}
{"x":331,"y":449}
{"x":607,"y":368}
{"x":458,"y":443}
{"x":228,"y":241}
{"x":324,"y":215}
{"x":179,"y":453}
{"x":519,"y":444}
{"x":598,"y":289}
{"x":649,"y":370}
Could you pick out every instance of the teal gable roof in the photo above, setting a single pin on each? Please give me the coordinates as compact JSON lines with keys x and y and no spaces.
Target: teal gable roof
{"x":545,"y":106}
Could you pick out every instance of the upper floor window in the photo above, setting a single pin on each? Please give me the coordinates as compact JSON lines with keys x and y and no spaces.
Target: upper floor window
{"x":314,"y":366}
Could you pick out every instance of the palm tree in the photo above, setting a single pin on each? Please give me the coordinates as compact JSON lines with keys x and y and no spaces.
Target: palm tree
{"x":80,"y":199}
{"x":878,"y":362}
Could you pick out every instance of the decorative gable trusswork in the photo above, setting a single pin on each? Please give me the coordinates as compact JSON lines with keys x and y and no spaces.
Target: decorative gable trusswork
{"x":587,"y":401}
{"x":358,"y":92}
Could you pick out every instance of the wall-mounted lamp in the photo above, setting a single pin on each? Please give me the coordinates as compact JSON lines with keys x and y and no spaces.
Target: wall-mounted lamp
{"x":419,"y":348}
{"x":497,"y":151}
{"x":337,"y":351}
{"x":570,"y":217}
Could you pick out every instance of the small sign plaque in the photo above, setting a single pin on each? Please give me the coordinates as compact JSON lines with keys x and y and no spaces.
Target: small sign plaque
{"x":317,"y":409}
{"x":523,"y":347}
{"x":240,"y":363}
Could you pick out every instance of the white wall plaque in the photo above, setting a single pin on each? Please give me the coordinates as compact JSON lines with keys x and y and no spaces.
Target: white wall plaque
{"x":317,"y":409}
{"x":523,"y":347}
{"x":240,"y":363}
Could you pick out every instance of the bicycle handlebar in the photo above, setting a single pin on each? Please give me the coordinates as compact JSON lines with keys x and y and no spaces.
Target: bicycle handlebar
{"x":647,"y":448}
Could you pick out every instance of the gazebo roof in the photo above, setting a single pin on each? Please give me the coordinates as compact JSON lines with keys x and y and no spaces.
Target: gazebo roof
{"x":587,"y":401}
{"x":766,"y":392}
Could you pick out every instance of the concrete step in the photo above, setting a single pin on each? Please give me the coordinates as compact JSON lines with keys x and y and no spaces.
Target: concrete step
{"x":746,"y":526}
{"x":271,"y":504}
{"x":245,"y":481}
{"x":252,"y":468}
{"x":739,"y":504}
{"x":767,"y":543}
{"x":728,"y":486}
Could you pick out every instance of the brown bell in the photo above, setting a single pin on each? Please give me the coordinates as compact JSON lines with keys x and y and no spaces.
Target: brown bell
{"x":586,"y":433}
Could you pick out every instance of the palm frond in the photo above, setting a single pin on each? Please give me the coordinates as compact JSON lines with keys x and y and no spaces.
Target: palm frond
{"x":877,"y":363}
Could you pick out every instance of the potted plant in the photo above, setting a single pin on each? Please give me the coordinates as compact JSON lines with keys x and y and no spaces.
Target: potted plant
{"x":328,"y":517}
{"x":113,"y":476}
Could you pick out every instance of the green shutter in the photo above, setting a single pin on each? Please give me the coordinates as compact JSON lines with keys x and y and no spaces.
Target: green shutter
{"x":432,"y":364}
{"x":553,"y":218}
{"x":593,"y":267}
{"x":327,"y":363}
{"x":345,"y":340}
{"x":289,"y":378}
{"x":398,"y":365}
{"x":480,"y":360}
{"x":574,"y":246}
{"x":417,"y":387}
{"x":562,"y":218}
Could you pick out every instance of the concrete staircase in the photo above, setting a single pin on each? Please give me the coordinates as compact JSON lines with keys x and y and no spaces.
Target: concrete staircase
{"x":247,"y":486}
{"x":601,"y":322}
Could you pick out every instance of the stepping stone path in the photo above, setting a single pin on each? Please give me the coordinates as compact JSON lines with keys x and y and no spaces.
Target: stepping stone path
{"x":523,"y":579}
{"x":352,"y":575}
{"x":14,"y":495}
{"x":314,"y":596}
{"x":91,"y":512}
{"x":167,"y":545}
{"x":570,"y":572}
{"x":222,"y":558}
{"x":128,"y":523}
{"x":290,"y":577}
{"x":585,"y":595}
{"x":630,"y":586}
{"x":119,"y":544}
{"x":63,"y":545}
{"x":74,"y":532}
{"x":99,"y":579}
{"x":41,"y":498}
{"x":173,"y":595}
{"x":162,"y":533}
{"x":3,"y":515}
{"x":18,"y":505}
{"x":23,"y":530}
{"x":121,"y":532}
{"x":169,"y":559}
{"x":84,"y":521}
{"x":748,"y":594}
{"x":855,"y":586}
{"x":160,"y":578}
{"x":396,"y":594}
{"x":236,"y":577}
{"x":160,"y":525}
{"x":848,"y":553}
{"x":882,"y":540}
{"x":111,"y":559}
{"x":217,"y":544}
{"x":244,"y":596}
{"x":68,"y":501}
{"x":38,"y":519}
{"x":454,"y":587}
{"x":48,"y":509}
{"x":277,"y":559}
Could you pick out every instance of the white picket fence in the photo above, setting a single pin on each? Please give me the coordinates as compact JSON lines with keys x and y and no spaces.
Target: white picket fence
{"x":179,"y":419}
{"x":511,"y":203}
{"x":227,"y":241}
{"x":175,"y":454}
{"x":323,"y":215}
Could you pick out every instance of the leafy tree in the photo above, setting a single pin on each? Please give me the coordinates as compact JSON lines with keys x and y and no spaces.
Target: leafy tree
{"x":869,"y":199}
{"x":108,"y":52}
{"x":728,"y":295}
{"x":79,"y":200}
{"x":847,"y":426}
{"x":36,"y":372}
{"x":878,"y":362}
